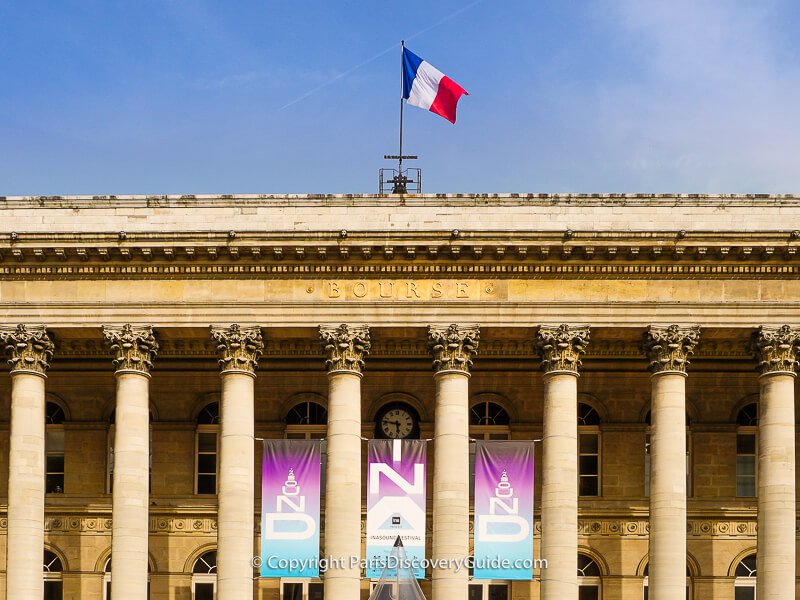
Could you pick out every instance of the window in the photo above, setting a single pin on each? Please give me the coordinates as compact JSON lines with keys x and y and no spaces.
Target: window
{"x":487,"y":590}
{"x":745,"y":582}
{"x":52,"y":568}
{"x":746,"y":451}
{"x":207,"y":449}
{"x":107,"y":580}
{"x":647,"y":466}
{"x":688,"y":582}
{"x":588,"y":451}
{"x":110,"y":460}
{"x":301,"y":589}
{"x":54,"y":448}
{"x":588,"y":578}
{"x":204,"y":577}
{"x":487,"y":421}
{"x":306,"y":421}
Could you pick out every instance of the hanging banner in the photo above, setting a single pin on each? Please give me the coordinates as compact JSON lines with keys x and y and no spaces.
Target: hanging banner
{"x":290,"y":498}
{"x":503,"y":510}
{"x":395,"y":504}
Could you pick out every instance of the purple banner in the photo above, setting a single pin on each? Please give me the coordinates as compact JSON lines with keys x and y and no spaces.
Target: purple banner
{"x":503,"y":510}
{"x":290,"y":493}
{"x":395,"y":503}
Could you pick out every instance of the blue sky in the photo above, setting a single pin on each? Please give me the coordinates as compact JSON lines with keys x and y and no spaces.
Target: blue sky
{"x":190,"y":96}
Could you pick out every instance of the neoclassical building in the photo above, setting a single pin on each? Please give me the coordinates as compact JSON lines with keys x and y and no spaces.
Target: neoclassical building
{"x":647,"y":343}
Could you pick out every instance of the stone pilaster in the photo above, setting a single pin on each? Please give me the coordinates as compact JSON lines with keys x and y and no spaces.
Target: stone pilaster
{"x":776,"y":350}
{"x":560,"y":348}
{"x":668,"y":350}
{"x":133,"y":350}
{"x":452,"y":348}
{"x":345,"y":348}
{"x":239,"y":350}
{"x":29,"y":351}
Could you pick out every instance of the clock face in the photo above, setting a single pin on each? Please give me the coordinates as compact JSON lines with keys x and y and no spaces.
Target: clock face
{"x":397,"y":423}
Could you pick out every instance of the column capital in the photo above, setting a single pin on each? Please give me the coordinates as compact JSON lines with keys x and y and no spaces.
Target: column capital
{"x":345,"y":347}
{"x":561,"y":346}
{"x":29,"y":348}
{"x":776,"y":349}
{"x":239,"y":347}
{"x":669,"y":347}
{"x":133,"y":347}
{"x":453,"y":346}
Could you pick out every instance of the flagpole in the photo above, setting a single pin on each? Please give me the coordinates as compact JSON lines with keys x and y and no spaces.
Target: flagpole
{"x":402,"y":90}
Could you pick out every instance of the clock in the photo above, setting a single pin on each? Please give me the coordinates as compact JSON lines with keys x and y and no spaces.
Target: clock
{"x":397,"y":422}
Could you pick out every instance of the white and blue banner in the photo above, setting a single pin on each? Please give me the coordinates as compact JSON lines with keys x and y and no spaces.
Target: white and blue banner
{"x":503,"y":510}
{"x":396,"y":490}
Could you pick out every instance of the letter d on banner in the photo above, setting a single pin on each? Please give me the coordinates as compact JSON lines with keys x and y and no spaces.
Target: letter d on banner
{"x":503,"y":510}
{"x":290,"y":498}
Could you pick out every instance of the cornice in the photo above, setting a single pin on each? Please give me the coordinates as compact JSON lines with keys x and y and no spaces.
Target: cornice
{"x":503,"y":199}
{"x":368,"y":253}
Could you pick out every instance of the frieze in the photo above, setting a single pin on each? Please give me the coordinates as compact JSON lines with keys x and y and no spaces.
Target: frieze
{"x":100,"y":524}
{"x":643,"y":270}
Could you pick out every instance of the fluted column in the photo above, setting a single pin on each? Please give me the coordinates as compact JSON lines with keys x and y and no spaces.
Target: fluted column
{"x":668,"y":349}
{"x":560,"y":349}
{"x":29,"y":350}
{"x":776,"y":350}
{"x":239,"y":350}
{"x":452,"y":348}
{"x":345,"y":349}
{"x":133,"y":351}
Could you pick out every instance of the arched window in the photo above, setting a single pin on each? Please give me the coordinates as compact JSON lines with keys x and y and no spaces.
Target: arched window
{"x":52,"y":568}
{"x":489,"y":421}
{"x":54,"y":447}
{"x":107,"y":579}
{"x":745,"y":582}
{"x":747,"y":451}
{"x":588,"y":578}
{"x":207,"y":449}
{"x":646,"y":574}
{"x":204,"y":577}
{"x":647,"y":466}
{"x":588,"y":450}
{"x":307,"y":420}
{"x":110,"y":444}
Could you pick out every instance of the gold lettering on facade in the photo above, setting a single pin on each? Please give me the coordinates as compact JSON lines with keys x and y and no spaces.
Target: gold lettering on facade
{"x":385,"y":288}
{"x":411,"y":290}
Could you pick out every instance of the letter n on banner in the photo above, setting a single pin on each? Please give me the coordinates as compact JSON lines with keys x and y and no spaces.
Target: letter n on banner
{"x":503,"y":510}
{"x":395,"y":503}
{"x":290,"y":498}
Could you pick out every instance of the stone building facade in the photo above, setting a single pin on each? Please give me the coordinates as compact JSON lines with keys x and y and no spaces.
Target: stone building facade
{"x":648,"y":343}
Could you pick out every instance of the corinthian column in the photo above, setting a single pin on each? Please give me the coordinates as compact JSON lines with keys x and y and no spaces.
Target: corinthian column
{"x":668,"y":349}
{"x":345,"y":349}
{"x":239,"y":349}
{"x":776,"y":350}
{"x":133,"y":350}
{"x":29,"y":350}
{"x":452,"y":348}
{"x":560,"y":349}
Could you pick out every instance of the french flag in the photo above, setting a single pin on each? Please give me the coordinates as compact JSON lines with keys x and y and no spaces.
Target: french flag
{"x":427,"y":87}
